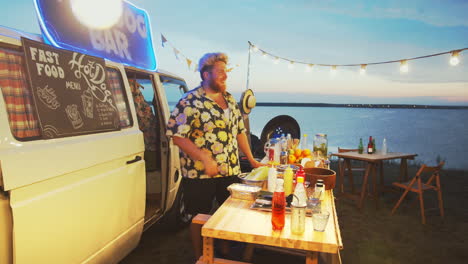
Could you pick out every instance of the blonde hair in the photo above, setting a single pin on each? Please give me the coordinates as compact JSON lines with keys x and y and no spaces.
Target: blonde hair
{"x":209,"y":59}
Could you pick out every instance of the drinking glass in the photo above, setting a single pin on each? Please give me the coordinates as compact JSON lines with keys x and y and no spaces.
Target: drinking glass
{"x":320,"y":221}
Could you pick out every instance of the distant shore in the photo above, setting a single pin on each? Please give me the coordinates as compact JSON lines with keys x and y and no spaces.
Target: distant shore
{"x":407,"y":106}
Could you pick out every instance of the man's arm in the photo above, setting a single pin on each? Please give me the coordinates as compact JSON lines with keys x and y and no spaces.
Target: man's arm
{"x":245,"y":147}
{"x":187,"y":146}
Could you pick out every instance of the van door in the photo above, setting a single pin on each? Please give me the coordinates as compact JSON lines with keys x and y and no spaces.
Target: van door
{"x":150,"y":119}
{"x":76,"y":199}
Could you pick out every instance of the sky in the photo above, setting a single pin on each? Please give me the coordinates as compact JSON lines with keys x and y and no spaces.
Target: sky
{"x":311,"y":31}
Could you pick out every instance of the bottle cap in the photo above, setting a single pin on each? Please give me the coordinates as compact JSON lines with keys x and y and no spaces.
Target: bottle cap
{"x":318,"y":184}
{"x":320,"y":180}
{"x":300,"y":172}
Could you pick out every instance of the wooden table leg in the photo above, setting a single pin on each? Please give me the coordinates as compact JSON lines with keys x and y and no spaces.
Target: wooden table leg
{"x":311,"y":257}
{"x":404,"y":169}
{"x":364,"y":184}
{"x":208,"y":250}
{"x":350,"y":174}
{"x":375,"y":185}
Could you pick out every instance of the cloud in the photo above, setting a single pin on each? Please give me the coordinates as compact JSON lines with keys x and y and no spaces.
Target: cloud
{"x":435,"y":12}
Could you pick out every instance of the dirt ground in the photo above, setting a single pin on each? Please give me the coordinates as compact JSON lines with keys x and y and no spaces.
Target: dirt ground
{"x":369,"y":236}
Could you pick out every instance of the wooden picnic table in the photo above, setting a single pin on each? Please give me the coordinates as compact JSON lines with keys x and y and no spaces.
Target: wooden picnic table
{"x":373,"y":161}
{"x":234,"y":220}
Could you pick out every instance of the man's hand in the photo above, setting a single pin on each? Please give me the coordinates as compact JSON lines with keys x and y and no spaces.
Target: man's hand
{"x":211,"y":167}
{"x":255,"y":164}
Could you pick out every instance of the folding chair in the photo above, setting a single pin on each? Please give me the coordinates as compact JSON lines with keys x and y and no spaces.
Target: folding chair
{"x":416,"y":185}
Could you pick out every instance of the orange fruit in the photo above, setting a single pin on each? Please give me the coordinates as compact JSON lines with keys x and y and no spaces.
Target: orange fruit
{"x":291,"y":159}
{"x":297,"y":153}
{"x":306,"y":152}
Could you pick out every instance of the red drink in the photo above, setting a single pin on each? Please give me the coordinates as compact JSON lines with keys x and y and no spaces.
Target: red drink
{"x":278,"y":210}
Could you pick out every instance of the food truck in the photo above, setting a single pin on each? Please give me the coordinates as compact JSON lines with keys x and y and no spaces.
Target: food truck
{"x":85,"y":166}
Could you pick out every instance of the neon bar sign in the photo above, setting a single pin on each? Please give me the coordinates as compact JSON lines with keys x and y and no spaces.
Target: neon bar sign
{"x":128,"y":42}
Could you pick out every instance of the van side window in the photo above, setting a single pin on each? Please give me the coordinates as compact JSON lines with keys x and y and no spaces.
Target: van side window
{"x":114,"y":80}
{"x":174,"y":89}
{"x":19,"y":102}
{"x":17,"y":95}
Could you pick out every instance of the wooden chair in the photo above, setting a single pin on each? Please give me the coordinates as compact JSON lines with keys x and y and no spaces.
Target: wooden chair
{"x":356,"y":166}
{"x":416,"y":185}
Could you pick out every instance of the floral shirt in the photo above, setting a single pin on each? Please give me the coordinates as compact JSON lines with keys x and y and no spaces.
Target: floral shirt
{"x":203,"y":121}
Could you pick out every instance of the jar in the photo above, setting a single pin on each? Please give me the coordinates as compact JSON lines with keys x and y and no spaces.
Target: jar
{"x":321,"y":144}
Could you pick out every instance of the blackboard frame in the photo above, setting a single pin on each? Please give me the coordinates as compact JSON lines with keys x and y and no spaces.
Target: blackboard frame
{"x":70,"y":91}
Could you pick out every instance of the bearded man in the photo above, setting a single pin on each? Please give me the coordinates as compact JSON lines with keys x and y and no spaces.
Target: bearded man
{"x":207,"y":126}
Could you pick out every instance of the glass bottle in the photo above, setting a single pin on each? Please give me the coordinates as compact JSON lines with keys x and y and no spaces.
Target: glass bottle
{"x":298,"y":208}
{"x":321,"y":144}
{"x":278,"y":207}
{"x":288,"y":180}
{"x":272,"y":177}
{"x":370,"y":147}
{"x":361,"y":146}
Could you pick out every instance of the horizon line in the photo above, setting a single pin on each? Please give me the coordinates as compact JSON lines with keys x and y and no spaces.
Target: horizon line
{"x":408,"y":106}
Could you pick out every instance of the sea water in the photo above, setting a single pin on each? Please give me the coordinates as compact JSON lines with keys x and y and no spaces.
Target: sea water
{"x":433,"y":134}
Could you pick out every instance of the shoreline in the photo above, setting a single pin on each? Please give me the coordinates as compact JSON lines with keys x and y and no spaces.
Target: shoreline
{"x":404,"y":106}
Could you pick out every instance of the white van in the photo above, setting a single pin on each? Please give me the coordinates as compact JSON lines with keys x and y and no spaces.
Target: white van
{"x":81,"y":193}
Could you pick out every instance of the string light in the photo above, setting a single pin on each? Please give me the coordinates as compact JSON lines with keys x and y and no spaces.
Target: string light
{"x":362,"y":71}
{"x":333,"y":70}
{"x":309,"y":67}
{"x":276,"y":61}
{"x":291,"y":65}
{"x":254,"y":48}
{"x":454,"y":59}
{"x":404,"y":66}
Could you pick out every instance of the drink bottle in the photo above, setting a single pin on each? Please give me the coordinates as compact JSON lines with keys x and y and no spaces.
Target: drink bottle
{"x":288,"y":181}
{"x":361,"y":146}
{"x":278,"y":206}
{"x":370,"y":146}
{"x":298,"y":208}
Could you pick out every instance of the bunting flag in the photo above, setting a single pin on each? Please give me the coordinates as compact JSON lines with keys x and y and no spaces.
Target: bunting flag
{"x":189,"y":62}
{"x":176,"y":53}
{"x":163,"y":40}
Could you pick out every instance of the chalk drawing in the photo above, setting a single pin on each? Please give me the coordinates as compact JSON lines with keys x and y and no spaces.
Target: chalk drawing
{"x":74,"y":116}
{"x":48,"y":97}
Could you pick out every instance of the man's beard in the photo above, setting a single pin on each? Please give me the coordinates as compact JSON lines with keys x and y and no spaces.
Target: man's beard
{"x":217,"y":87}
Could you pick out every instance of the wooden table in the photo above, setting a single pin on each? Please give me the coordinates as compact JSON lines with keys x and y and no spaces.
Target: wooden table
{"x":373,"y":161}
{"x":234,"y":220}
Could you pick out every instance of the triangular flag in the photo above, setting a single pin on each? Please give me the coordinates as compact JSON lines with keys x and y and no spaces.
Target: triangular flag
{"x":176,"y":53}
{"x":163,"y":40}
{"x":189,"y":62}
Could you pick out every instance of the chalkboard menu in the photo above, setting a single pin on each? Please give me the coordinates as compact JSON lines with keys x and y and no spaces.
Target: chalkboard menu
{"x":70,"y":91}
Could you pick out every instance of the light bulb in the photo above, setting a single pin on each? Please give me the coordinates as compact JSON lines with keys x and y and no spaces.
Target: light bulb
{"x":89,"y":12}
{"x":333,"y":70}
{"x":276,"y":61}
{"x":454,"y":59}
{"x":362,"y":71}
{"x":309,"y":67}
{"x":254,"y":48}
{"x":264,"y":54}
{"x":404,"y":66}
{"x":291,"y":65}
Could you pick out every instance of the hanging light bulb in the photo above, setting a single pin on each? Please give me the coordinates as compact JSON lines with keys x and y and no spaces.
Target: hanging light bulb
{"x":309,"y":67}
{"x":264,"y":54}
{"x":254,"y":48}
{"x":276,"y":61}
{"x":291,"y":65}
{"x":454,"y":59}
{"x":363,"y":69}
{"x":404,"y":66}
{"x":333,"y":70}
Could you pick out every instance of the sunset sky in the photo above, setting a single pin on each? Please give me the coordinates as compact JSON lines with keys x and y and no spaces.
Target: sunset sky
{"x":317,"y":32}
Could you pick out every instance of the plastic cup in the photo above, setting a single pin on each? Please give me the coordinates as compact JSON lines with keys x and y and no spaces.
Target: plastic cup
{"x":320,"y":221}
